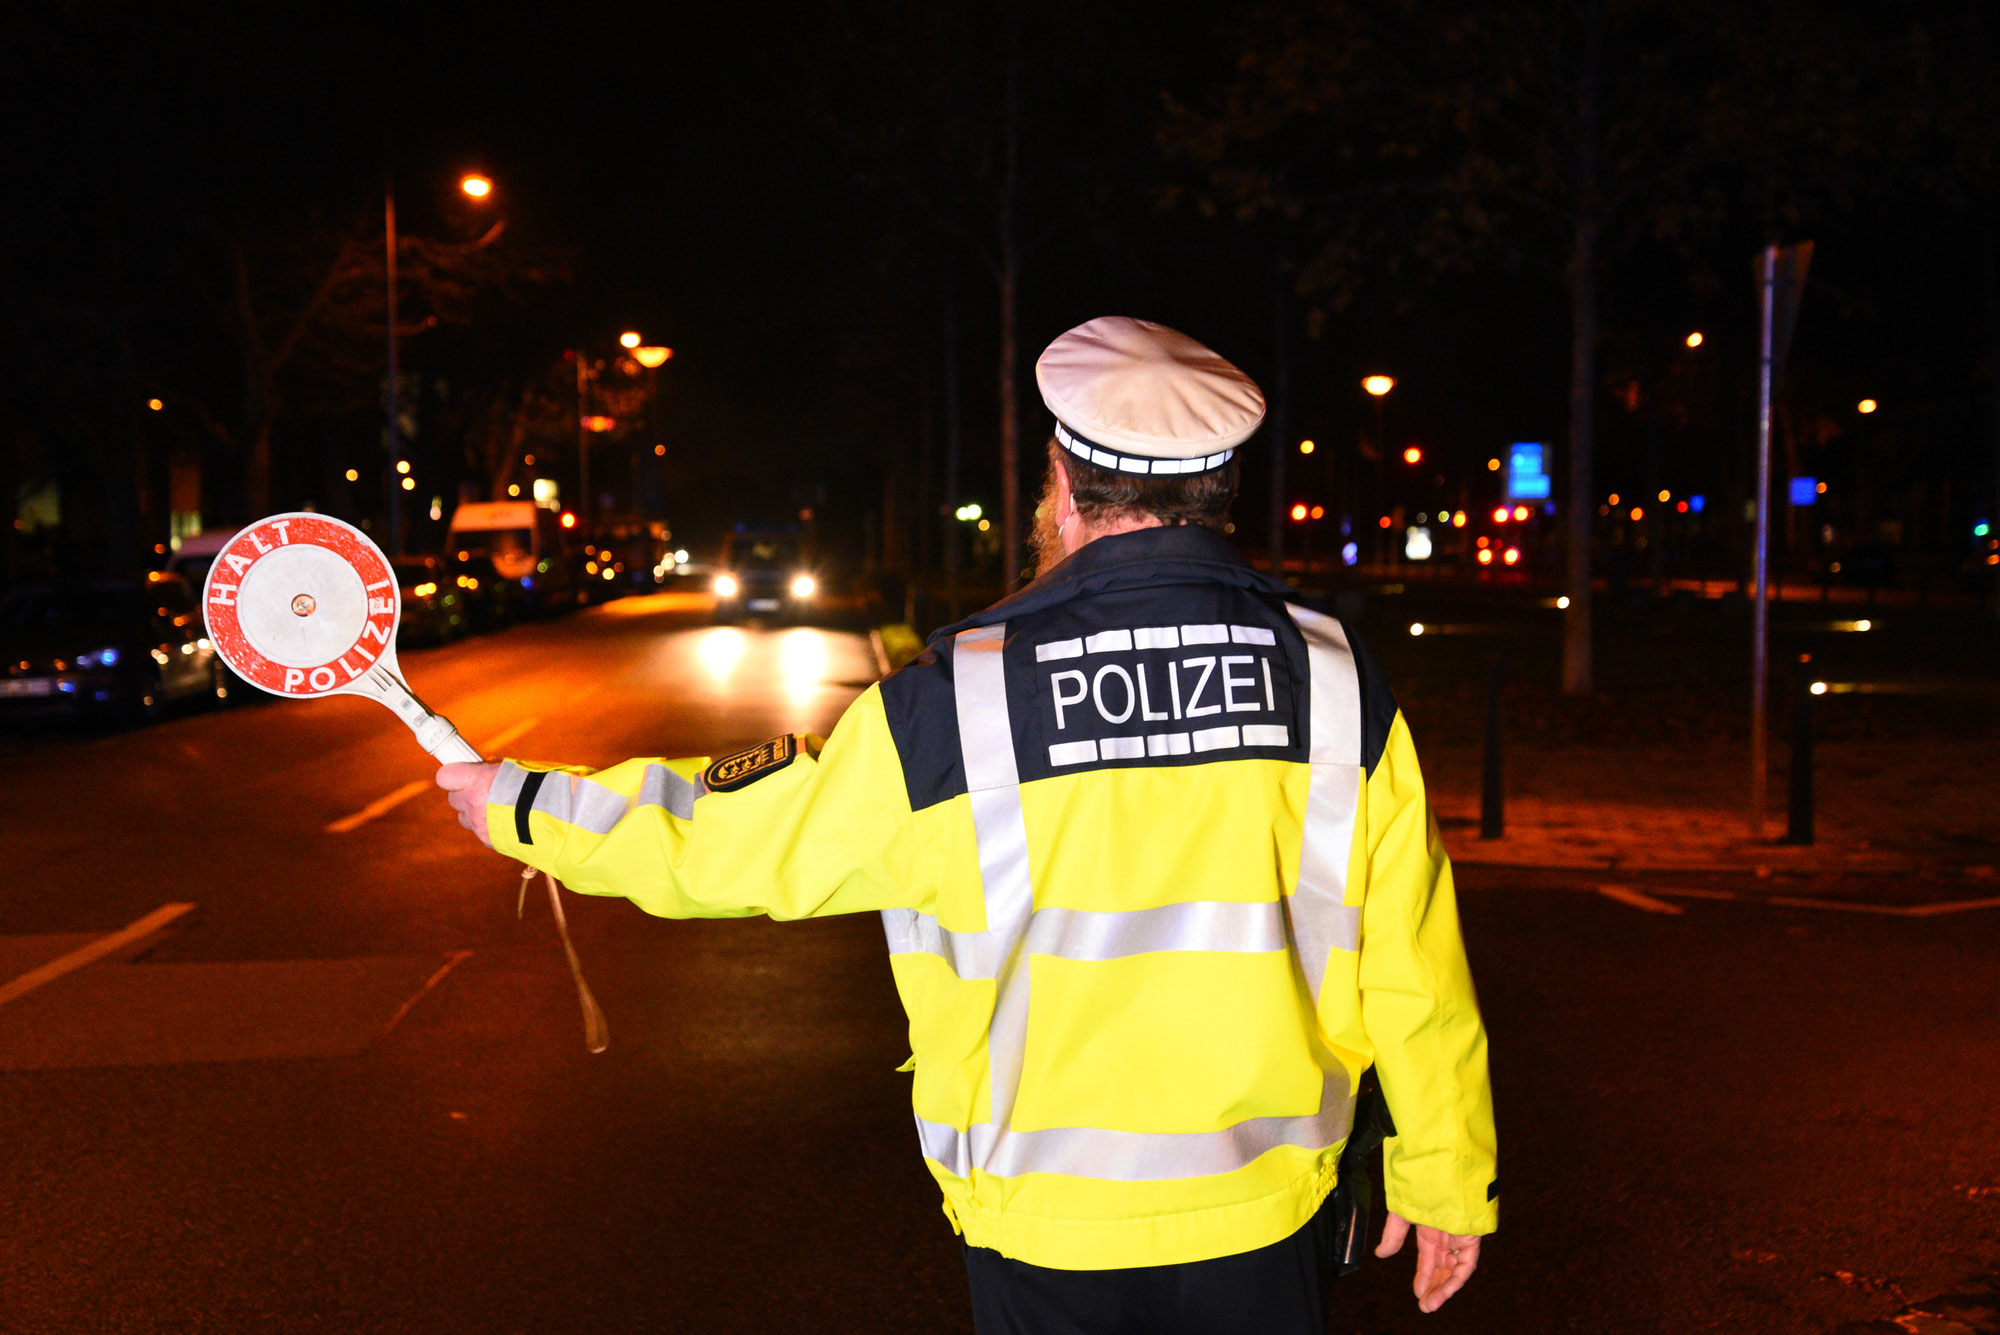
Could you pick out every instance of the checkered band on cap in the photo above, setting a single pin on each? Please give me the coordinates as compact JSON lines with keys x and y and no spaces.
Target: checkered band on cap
{"x":1131,"y":463}
{"x":1136,"y":397}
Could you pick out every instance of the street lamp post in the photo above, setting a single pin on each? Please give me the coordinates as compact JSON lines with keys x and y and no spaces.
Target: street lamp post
{"x":392,"y":427}
{"x":1378,"y":387}
{"x":477,"y":187}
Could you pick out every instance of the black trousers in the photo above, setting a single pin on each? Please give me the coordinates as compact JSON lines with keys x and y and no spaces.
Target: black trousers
{"x":1276,"y":1290}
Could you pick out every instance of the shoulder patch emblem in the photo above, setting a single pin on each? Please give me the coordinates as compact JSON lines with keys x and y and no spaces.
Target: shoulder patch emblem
{"x":746,"y":767}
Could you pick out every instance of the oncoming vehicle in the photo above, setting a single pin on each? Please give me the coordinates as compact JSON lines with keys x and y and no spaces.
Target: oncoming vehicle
{"x":128,"y":646}
{"x":764,"y":572}
{"x":526,"y":545}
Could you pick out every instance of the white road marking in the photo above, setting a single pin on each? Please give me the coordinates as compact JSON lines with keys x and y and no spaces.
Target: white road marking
{"x":93,"y":952}
{"x":383,"y":805}
{"x":429,"y":983}
{"x":1625,"y":894}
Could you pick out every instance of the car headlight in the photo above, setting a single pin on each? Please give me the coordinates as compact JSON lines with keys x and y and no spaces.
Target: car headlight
{"x":725,"y":586}
{"x":105,"y":657}
{"x":803,"y":586}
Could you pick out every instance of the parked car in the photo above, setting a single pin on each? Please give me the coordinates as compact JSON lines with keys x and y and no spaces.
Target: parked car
{"x":764,"y":572}
{"x":492,"y":601}
{"x":197,"y":553}
{"x":126,"y":647}
{"x":433,"y":604}
{"x":528,"y":545}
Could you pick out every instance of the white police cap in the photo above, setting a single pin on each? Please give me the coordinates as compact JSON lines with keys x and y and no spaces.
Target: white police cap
{"x":1137,"y":397}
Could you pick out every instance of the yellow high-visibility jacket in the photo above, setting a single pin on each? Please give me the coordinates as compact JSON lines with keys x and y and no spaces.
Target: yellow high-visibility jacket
{"x":1159,"y":881}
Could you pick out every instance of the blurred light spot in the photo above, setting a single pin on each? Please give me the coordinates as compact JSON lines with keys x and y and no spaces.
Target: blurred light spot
{"x":1665,"y":496}
{"x":1563,"y":601}
{"x":802,"y":661}
{"x":1819,"y":688}
{"x":1305,"y":447}
{"x":1866,"y":406}
{"x":1638,"y":513}
{"x":1486,"y":556}
{"x":155,"y":404}
{"x":1492,"y":465}
{"x":353,"y":476}
{"x":1694,"y":339}
{"x":402,"y":465}
{"x":1416,"y":628}
{"x":720,"y":650}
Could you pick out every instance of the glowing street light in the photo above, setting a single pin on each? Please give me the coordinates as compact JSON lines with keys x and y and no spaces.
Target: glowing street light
{"x":1694,"y":339}
{"x":1378,"y":385}
{"x":1413,"y":455}
{"x":475,"y":185}
{"x":628,"y":339}
{"x":1866,"y":406}
{"x":155,"y":404}
{"x":649,"y":357}
{"x":1305,"y":447}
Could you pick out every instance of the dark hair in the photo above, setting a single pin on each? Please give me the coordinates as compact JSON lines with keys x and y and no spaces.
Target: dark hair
{"x":1101,"y":494}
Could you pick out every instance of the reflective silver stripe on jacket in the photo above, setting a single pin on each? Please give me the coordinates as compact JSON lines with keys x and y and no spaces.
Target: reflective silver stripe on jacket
{"x":1321,"y":922}
{"x":1015,"y":930}
{"x":585,"y":804}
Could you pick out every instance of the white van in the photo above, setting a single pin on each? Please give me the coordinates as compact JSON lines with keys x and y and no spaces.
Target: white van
{"x":524,"y":542}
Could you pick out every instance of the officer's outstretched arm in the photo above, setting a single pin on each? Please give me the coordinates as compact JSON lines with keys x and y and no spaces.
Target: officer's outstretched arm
{"x":796,"y":827}
{"x":1418,"y":1008}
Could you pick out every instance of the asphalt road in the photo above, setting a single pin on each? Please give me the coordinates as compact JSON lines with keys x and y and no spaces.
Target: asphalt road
{"x":347,"y":1090}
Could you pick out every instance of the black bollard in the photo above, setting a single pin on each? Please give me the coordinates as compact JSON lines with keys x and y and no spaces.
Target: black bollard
{"x":1492,"y":802}
{"x":1799,"y":829}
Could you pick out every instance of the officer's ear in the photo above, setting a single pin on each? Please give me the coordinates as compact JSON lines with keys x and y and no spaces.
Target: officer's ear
{"x":1065,"y":499}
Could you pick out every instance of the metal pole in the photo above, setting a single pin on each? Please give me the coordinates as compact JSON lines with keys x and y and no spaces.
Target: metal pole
{"x":393,"y":430}
{"x":582,"y":444}
{"x":1799,"y":829}
{"x":1760,"y":612}
{"x":1492,"y":796}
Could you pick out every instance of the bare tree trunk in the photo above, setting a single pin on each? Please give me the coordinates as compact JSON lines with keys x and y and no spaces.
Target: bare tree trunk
{"x":1281,"y":353}
{"x":954,"y":537}
{"x":1010,"y":275}
{"x":257,"y":388}
{"x":1583,"y":295}
{"x":1992,"y":515}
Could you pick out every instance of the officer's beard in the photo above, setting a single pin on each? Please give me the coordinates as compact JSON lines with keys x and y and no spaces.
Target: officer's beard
{"x":1047,"y":537}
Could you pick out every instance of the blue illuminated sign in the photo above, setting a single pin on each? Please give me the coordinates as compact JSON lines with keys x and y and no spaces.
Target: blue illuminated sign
{"x":1527,"y":477}
{"x":1805,"y":490}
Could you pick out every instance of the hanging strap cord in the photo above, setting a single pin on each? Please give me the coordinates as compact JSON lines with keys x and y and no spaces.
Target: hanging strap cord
{"x":596,"y":1033}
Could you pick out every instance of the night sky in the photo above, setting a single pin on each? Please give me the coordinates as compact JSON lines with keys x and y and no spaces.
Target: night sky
{"x":717,"y":177}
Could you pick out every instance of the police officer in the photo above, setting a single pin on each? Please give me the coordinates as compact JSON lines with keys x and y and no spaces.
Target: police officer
{"x":1158,"y":876}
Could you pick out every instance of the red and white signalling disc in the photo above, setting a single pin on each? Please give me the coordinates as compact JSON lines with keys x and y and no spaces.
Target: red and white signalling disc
{"x":302,"y":605}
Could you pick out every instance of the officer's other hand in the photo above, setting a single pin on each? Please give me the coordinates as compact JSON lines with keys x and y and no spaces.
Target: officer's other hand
{"x":1444,"y":1260}
{"x":468,"y":785}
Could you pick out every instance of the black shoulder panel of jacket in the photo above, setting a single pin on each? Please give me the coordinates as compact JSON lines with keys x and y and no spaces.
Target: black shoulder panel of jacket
{"x":922,"y":711}
{"x":1378,"y":702}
